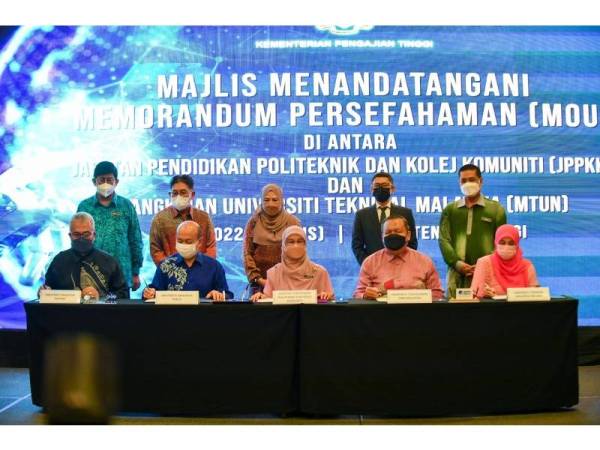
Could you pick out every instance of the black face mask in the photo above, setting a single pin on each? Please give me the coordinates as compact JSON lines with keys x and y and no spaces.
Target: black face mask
{"x":382,"y":195}
{"x":394,"y":241}
{"x":82,"y":245}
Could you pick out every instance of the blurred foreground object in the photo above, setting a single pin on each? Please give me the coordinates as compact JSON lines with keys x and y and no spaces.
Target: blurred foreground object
{"x":80,"y":382}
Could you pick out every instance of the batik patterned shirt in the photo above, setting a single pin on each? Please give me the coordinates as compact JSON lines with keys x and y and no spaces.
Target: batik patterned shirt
{"x":70,"y":270}
{"x":117,"y":232}
{"x":205,"y":274}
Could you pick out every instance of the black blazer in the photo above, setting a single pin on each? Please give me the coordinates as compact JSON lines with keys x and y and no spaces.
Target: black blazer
{"x":366,"y":233}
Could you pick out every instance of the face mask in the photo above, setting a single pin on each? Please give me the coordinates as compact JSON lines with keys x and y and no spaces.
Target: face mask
{"x":295,"y":252}
{"x":506,"y":252}
{"x":394,"y":241}
{"x":105,"y":189}
{"x":470,"y":188}
{"x":382,"y":195}
{"x":181,"y":202}
{"x":82,"y":245}
{"x":187,"y":250}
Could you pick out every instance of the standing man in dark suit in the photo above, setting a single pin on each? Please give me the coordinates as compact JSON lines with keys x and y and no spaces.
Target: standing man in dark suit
{"x":366,"y":233}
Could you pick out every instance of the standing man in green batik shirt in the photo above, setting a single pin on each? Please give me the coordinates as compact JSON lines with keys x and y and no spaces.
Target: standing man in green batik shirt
{"x":117,"y":226}
{"x":467,"y":229}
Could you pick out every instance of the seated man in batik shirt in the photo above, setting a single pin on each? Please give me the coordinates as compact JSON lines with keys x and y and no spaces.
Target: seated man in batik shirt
{"x":84,"y":267}
{"x":189,"y":269}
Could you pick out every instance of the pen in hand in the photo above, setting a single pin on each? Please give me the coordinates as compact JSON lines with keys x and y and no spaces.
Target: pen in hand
{"x":148,"y":293}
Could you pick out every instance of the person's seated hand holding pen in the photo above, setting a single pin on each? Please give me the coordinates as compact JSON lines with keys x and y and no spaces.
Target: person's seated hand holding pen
{"x":149,"y":293}
{"x":374,"y":292}
{"x":489,"y":291}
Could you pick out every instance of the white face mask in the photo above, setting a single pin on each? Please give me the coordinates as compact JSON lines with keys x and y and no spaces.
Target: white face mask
{"x":105,"y":189}
{"x":187,"y":250}
{"x":506,"y":252}
{"x":470,"y":188}
{"x":295,"y":252}
{"x":181,"y":202}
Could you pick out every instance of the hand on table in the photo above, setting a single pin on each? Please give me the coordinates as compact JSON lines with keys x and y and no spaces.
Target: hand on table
{"x":216,"y":296}
{"x":149,"y":293}
{"x":326,"y":296}
{"x":489,"y":291}
{"x":43,"y":287}
{"x":372,"y":293}
{"x":90,"y":292}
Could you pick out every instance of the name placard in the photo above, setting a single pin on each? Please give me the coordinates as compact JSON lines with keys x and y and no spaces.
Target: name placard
{"x":294,"y":297}
{"x":177,"y":298}
{"x":409,"y":296}
{"x":60,"y":296}
{"x":464,"y":294}
{"x":537,"y":294}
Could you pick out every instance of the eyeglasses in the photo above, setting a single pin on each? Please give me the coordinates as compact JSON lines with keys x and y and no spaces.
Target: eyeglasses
{"x":383,"y":186}
{"x":102,"y":180}
{"x":85,"y":235}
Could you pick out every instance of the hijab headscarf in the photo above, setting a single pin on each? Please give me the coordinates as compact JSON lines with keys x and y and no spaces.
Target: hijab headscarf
{"x":293,"y":274}
{"x":511,"y":272}
{"x":269,"y":229}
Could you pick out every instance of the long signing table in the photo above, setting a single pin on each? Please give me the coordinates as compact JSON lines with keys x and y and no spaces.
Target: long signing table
{"x":355,"y":358}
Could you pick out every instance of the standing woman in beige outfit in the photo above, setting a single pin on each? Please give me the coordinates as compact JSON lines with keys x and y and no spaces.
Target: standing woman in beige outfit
{"x":263,"y":235}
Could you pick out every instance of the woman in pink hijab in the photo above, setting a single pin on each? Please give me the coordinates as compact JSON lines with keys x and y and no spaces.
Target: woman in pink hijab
{"x":504,"y":268}
{"x":296,"y":271}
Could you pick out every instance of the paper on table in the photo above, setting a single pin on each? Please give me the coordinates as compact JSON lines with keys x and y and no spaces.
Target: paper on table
{"x":465,"y":300}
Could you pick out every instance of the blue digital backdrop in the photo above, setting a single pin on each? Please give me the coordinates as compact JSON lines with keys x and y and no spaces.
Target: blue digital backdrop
{"x":317,"y":110}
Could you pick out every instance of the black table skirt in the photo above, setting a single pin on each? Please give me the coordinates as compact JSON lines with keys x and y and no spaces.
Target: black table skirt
{"x":438,"y":359}
{"x":209,"y":359}
{"x":358,"y":358}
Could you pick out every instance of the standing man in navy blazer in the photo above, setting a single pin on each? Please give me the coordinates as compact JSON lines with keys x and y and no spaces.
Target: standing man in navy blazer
{"x":366,"y":233}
